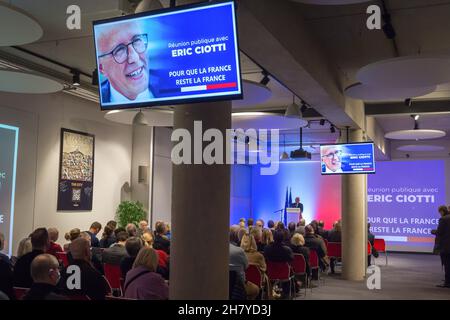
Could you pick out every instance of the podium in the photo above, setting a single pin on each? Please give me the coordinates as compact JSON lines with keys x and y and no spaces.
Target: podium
{"x":292,"y":215}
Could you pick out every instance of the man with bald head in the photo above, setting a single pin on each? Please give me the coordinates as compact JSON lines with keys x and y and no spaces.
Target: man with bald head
{"x":45,"y":274}
{"x":331,"y":159}
{"x":123,"y":60}
{"x":93,"y":284}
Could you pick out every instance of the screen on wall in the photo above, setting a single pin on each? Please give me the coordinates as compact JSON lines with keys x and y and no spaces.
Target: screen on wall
{"x":347,"y":158}
{"x":403,"y":198}
{"x":8,"y":158}
{"x":181,"y":55}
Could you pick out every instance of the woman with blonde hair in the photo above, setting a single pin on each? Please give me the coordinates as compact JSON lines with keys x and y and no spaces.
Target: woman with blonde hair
{"x":142,"y":281}
{"x":70,"y":236}
{"x":266,"y":239}
{"x":298,"y":247}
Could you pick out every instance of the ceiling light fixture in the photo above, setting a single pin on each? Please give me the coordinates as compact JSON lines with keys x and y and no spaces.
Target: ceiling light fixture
{"x":408,"y":102}
{"x":265,"y":80}
{"x":416,"y":117}
{"x":332,"y":129}
{"x":304,"y":107}
{"x":75,"y":78}
{"x":322,"y":122}
{"x":139,"y":119}
{"x":293,"y":111}
{"x":284,"y":155}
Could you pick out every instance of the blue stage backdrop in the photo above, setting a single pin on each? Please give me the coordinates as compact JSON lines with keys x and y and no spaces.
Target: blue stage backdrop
{"x":259,"y":196}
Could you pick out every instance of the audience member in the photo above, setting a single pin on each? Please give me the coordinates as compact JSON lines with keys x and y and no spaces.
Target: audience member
{"x":6,"y":273}
{"x":39,"y":243}
{"x":271,"y":225}
{"x":334,"y":235}
{"x":142,"y":281}
{"x":114,"y":254}
{"x":257,"y":234}
{"x":23,"y":248}
{"x":163,"y":257}
{"x":279,"y":252}
{"x":45,"y":274}
{"x":238,"y":262}
{"x":301,"y":227}
{"x":280,"y":227}
{"x":267,"y":238}
{"x":298,"y":247}
{"x":250,"y":223}
{"x":143,"y":227}
{"x":108,"y":237}
{"x":92,"y":283}
{"x":234,"y":239}
{"x":316,"y":243}
{"x":248,"y":243}
{"x":131,"y":230}
{"x":260,"y":223}
{"x":70,"y":236}
{"x":112,"y":224}
{"x":93,"y":231}
{"x":443,"y":243}
{"x":53,"y":235}
{"x":321,"y":229}
{"x":291,"y":229}
{"x":133,"y":245}
{"x":161,"y":242}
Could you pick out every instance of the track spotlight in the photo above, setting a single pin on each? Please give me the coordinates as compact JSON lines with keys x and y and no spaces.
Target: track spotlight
{"x":416,"y":117}
{"x":95,"y":77}
{"x":408,"y":102}
{"x":322,"y":122}
{"x":75,"y":78}
{"x":304,"y":107}
{"x":265,"y":80}
{"x":332,"y":129}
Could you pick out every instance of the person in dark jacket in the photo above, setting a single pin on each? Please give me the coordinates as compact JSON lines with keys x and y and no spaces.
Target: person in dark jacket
{"x":298,"y":247}
{"x":40,"y":243}
{"x":45,"y":274}
{"x":335,"y":235}
{"x":316,"y":243}
{"x":93,"y":231}
{"x":161,"y":242}
{"x":6,"y":273}
{"x":114,"y":254}
{"x":92,"y":283}
{"x":443,"y":243}
{"x":108,"y":237}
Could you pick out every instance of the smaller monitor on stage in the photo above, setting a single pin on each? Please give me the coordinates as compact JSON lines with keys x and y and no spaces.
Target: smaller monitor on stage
{"x":350,"y":158}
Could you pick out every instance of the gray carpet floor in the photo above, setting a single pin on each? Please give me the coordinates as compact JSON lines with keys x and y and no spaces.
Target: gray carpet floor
{"x":407,"y":276}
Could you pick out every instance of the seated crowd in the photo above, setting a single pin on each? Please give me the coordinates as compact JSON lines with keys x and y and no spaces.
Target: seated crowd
{"x":257,"y":245}
{"x":140,"y":255}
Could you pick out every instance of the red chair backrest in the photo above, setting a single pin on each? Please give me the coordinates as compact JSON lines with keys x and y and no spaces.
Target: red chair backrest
{"x":379,"y":245}
{"x":62,"y":256}
{"x":313,"y":259}
{"x":278,"y":270}
{"x":369,"y":248}
{"x":253,"y":275}
{"x":334,"y":249}
{"x":20,"y":292}
{"x":113,"y":275}
{"x":299,"y":264}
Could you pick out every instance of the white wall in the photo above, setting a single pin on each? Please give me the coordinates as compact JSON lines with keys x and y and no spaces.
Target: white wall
{"x":40,"y":118}
{"x":162,"y":176}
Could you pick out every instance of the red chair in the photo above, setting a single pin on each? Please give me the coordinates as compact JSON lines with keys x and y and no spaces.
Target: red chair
{"x":62,"y":258}
{"x":20,"y":292}
{"x":334,"y":250}
{"x":314,"y":263}
{"x":380,"y":246}
{"x":299,"y":268}
{"x":280,"y":272}
{"x":113,"y":275}
{"x":254,"y":275}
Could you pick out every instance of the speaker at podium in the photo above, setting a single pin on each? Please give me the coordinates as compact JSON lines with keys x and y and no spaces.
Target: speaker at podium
{"x":292,"y":215}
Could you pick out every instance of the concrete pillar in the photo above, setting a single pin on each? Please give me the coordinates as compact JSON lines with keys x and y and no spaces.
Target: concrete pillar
{"x":354,"y":221}
{"x":200,"y":213}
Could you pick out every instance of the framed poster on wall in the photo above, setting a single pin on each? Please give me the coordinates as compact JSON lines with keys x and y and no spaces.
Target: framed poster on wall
{"x":76,"y":171}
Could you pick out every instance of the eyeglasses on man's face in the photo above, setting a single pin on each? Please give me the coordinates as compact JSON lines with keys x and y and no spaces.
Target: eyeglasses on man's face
{"x":120,"y":53}
{"x":332,"y":155}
